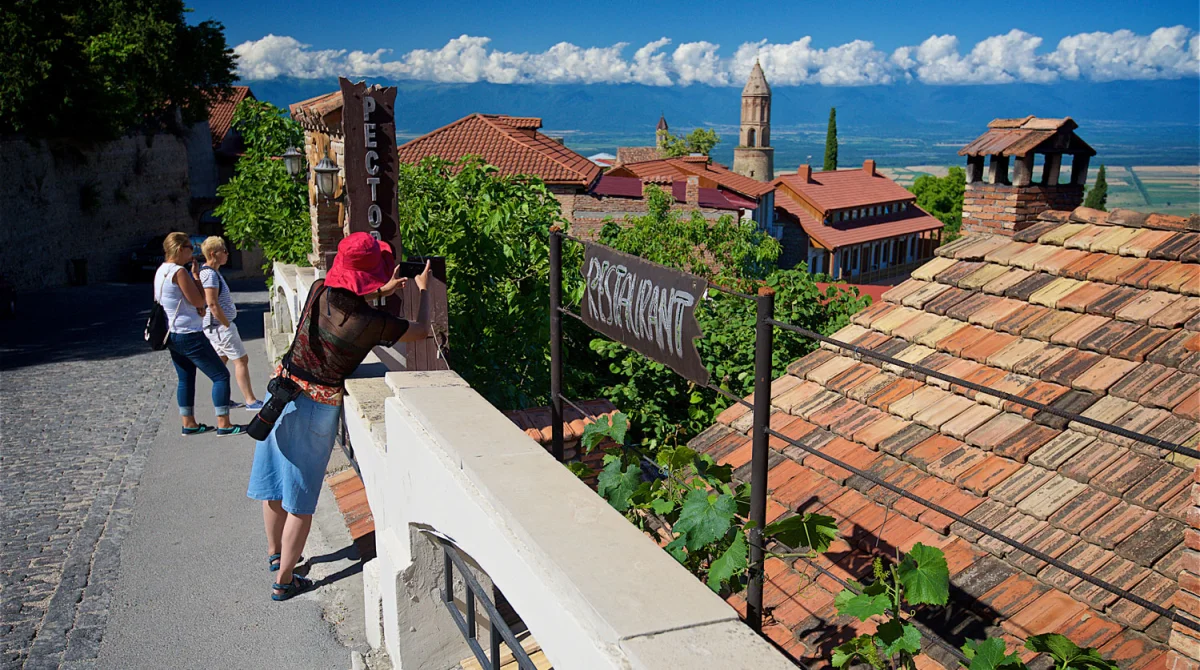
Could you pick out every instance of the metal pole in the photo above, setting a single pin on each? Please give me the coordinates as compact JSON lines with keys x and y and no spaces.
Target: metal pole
{"x":556,"y":362}
{"x":763,"y":344}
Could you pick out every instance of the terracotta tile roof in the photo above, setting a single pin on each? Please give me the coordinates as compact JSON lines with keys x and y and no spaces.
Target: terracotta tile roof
{"x":845,"y":233}
{"x":536,"y":423}
{"x":1002,"y":313}
{"x":841,"y":189}
{"x":324,"y":112}
{"x":712,"y":174}
{"x":1017,"y":137}
{"x":220,"y":112}
{"x":631,"y":187}
{"x":511,"y":143}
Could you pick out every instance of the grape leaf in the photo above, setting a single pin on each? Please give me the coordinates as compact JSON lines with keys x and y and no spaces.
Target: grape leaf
{"x":815,"y":531}
{"x":594,"y":433}
{"x":580,"y":470}
{"x":662,"y":506}
{"x":990,"y":655}
{"x":675,"y":549}
{"x":704,"y":517}
{"x":620,"y":424}
{"x":860,"y":605}
{"x":925,"y":576}
{"x":897,"y":636}
{"x":617,"y":485}
{"x":1067,"y":654}
{"x":862,"y":647}
{"x":732,"y":562}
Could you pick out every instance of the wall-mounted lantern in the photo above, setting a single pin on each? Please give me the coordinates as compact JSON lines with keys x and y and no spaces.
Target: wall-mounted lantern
{"x":327,"y":172}
{"x":293,"y":160}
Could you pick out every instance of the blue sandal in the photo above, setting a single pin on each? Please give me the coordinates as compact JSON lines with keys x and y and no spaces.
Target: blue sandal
{"x":273,"y":561}
{"x":295,"y":587}
{"x":200,"y":428}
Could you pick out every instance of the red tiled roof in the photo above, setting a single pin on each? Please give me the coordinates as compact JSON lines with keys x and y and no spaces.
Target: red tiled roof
{"x":701,"y":166}
{"x":537,"y":424}
{"x":1090,"y":313}
{"x":840,"y":189}
{"x":1017,"y":137}
{"x":631,"y":187}
{"x":845,"y":233}
{"x":220,"y":112}
{"x":319,"y":112}
{"x":510,"y":143}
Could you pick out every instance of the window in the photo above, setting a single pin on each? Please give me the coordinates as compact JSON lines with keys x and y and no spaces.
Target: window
{"x":875,"y":256}
{"x":750,"y":137}
{"x":854,"y":213}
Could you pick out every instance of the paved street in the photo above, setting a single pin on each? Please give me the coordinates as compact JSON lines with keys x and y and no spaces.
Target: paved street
{"x":123,"y":544}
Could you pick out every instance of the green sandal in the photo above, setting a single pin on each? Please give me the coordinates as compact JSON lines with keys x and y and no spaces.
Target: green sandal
{"x":273,"y":561}
{"x":295,"y":587}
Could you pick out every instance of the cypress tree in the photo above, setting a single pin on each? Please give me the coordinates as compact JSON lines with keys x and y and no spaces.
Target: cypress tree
{"x":1097,"y":197}
{"x":831,"y":141}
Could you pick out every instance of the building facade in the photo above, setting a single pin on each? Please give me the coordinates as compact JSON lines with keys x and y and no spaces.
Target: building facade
{"x":851,"y":224}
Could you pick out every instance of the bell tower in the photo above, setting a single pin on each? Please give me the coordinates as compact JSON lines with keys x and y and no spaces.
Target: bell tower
{"x":754,"y":157}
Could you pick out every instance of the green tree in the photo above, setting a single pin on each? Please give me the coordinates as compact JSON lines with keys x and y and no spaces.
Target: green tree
{"x":262,"y":205}
{"x":943,"y":198}
{"x":699,"y":141}
{"x":665,"y":408}
{"x":493,"y":230}
{"x":831,"y":142}
{"x":94,"y":69}
{"x":1097,"y":196}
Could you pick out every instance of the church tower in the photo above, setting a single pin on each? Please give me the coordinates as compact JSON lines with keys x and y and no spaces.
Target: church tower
{"x":754,"y":157}
{"x":660,"y":133}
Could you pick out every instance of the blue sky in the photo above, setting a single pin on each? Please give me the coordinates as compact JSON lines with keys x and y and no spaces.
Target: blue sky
{"x":831,"y":43}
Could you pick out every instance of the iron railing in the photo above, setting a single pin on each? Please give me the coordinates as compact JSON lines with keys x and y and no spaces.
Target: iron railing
{"x":497,"y":629}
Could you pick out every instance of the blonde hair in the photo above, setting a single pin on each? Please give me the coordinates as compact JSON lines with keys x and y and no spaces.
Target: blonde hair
{"x":211,"y":246}
{"x":173,"y":243}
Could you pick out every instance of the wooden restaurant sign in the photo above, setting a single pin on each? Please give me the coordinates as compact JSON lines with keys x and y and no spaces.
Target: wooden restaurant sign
{"x":645,"y":306}
{"x":371,"y":162}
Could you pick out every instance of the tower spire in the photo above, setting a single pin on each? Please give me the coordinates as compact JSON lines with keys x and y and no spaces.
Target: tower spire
{"x":754,"y":156}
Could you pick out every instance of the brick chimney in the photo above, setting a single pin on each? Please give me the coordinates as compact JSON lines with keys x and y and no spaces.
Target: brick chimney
{"x":869,"y":166}
{"x":804,"y":172}
{"x":692,"y":190}
{"x":999,"y":204}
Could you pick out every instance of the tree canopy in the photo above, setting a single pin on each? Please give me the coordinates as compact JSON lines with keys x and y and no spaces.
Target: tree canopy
{"x":1097,"y":195}
{"x":943,"y":198}
{"x":699,"y":141}
{"x":262,"y":205}
{"x":831,"y":142}
{"x":94,"y":69}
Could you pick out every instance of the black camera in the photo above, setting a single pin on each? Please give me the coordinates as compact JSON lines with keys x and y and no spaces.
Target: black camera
{"x":283,"y":391}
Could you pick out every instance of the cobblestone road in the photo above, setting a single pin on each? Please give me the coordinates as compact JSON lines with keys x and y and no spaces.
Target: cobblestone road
{"x":81,"y":398}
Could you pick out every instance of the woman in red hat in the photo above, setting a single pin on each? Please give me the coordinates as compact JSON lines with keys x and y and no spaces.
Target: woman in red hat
{"x":337,"y":329}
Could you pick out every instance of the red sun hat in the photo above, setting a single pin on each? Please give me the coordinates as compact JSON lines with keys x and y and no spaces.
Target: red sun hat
{"x":359,"y":266}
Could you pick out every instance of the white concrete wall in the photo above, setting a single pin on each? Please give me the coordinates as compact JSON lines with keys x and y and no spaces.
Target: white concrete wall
{"x":593,"y":590}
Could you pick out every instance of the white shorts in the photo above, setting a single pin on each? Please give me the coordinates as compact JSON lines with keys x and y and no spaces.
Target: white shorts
{"x":226,"y":341}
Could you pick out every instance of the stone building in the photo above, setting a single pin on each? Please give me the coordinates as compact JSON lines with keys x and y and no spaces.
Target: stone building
{"x":321,"y":118}
{"x":754,"y":157}
{"x":755,"y":199}
{"x":851,"y":224}
{"x":998,"y":202}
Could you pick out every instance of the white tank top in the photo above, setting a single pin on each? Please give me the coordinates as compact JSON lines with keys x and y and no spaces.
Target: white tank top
{"x":182,"y":316}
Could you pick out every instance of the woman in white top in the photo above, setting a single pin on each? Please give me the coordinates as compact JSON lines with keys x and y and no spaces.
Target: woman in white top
{"x":219,"y":323}
{"x":182,"y":298}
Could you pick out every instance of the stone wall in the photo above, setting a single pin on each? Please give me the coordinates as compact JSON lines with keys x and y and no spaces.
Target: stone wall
{"x":795,"y":246}
{"x":587,"y":212}
{"x":1004,"y":209}
{"x":63,"y":202}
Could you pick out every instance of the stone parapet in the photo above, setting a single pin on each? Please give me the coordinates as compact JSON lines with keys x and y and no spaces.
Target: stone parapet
{"x":441,"y":464}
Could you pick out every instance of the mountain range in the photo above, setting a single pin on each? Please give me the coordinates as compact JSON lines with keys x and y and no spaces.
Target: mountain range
{"x":1128,"y":122}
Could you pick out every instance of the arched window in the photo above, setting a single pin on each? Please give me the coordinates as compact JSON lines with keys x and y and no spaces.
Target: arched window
{"x":750,"y":137}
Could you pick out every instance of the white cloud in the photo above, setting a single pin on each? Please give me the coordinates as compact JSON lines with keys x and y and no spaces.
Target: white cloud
{"x":1167,"y":53}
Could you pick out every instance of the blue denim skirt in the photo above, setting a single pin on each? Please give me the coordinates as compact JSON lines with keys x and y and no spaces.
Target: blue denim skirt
{"x":290,"y":464}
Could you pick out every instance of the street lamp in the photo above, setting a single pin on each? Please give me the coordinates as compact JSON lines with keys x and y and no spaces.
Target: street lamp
{"x":293,"y":160}
{"x":327,"y":172}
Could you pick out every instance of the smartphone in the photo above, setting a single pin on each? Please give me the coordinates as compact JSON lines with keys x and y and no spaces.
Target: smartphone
{"x":411,"y":268}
